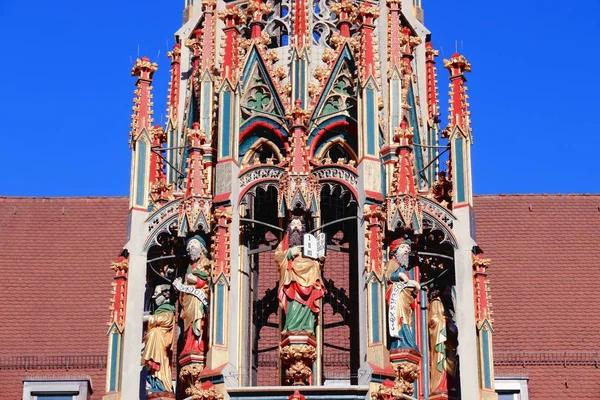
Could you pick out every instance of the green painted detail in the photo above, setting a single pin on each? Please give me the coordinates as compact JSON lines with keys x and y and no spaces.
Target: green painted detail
{"x":220,"y":317}
{"x":375,"y":312}
{"x":371,"y":118}
{"x":114,"y":357}
{"x":226,"y":124}
{"x":142,"y":156}
{"x":299,"y":317}
{"x":340,"y":96}
{"x":302,"y":82}
{"x":260,"y":100}
{"x":487,"y":367}
{"x":297,"y":78}
{"x":460,"y":170}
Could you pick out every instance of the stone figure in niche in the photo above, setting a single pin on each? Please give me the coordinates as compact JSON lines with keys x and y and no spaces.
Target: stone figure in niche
{"x":159,"y":340}
{"x":442,"y":342}
{"x":400,"y":296}
{"x":300,"y":283}
{"x":442,"y":190}
{"x":192,"y":307}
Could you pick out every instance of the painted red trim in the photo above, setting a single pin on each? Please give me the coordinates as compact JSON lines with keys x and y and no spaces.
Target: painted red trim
{"x":327,"y":128}
{"x":374,"y":195}
{"x":367,"y":158}
{"x":221,"y":198}
{"x":262,"y":124}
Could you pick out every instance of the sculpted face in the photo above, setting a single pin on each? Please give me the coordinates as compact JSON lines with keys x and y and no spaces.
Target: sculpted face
{"x":296,"y":232}
{"x":402,"y":254}
{"x":296,"y":224}
{"x":161,"y":294}
{"x":195,"y":249}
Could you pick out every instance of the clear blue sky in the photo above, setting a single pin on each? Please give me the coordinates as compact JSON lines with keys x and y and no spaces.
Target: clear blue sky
{"x":66,"y":90}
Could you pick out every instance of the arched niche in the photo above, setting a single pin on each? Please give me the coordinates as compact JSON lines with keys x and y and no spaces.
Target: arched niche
{"x":261,"y":139}
{"x":336,"y":150}
{"x":335,"y":133}
{"x":340,"y":331}
{"x":262,"y":151}
{"x":259,"y":236}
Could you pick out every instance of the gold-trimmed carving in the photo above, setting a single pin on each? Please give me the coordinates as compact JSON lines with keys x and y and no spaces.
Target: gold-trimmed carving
{"x":298,"y":360}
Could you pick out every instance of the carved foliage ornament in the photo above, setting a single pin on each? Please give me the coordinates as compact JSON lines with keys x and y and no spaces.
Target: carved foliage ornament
{"x":298,"y":361}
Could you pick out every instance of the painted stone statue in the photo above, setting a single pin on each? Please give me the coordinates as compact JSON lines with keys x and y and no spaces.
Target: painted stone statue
{"x":400,"y":296}
{"x":194,"y":302}
{"x":300,"y":283}
{"x":159,"y":340}
{"x":442,"y":344}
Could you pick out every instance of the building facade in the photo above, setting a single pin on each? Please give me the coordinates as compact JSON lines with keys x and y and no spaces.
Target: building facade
{"x":302,"y":227}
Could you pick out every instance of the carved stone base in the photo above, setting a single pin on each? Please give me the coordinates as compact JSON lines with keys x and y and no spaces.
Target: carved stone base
{"x":189,"y":375}
{"x":406,"y":363}
{"x":298,"y":351}
{"x":405,"y":355}
{"x":191,"y":358}
{"x":203,"y":391}
{"x":438,"y":396}
{"x":161,"y":396}
{"x":389,"y":390}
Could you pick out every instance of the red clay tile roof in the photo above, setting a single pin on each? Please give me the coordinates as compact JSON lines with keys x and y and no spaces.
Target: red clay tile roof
{"x":56,"y":254}
{"x":545,"y":252}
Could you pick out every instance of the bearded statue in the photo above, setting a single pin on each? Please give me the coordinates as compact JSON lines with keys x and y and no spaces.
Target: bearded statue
{"x":300,"y":283}
{"x":401,"y":296}
{"x":193,"y":307}
{"x":159,"y":340}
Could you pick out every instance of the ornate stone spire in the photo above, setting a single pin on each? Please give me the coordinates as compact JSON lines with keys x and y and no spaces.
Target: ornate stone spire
{"x":299,"y":188}
{"x":459,"y":107}
{"x":432,"y":101}
{"x":195,"y":212}
{"x":142,"y":108}
{"x":174,"y":84}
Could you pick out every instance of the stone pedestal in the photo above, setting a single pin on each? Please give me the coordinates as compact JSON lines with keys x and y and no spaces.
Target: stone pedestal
{"x":189,"y":375}
{"x":406,"y":364}
{"x":192,"y":358}
{"x":438,"y":396}
{"x":161,"y":396}
{"x":298,"y":352}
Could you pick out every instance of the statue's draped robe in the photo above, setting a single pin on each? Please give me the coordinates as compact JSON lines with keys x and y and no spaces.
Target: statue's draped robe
{"x":157,"y":351}
{"x":192,"y":309}
{"x":442,"y":362}
{"x":404,"y":309}
{"x":300,"y":288}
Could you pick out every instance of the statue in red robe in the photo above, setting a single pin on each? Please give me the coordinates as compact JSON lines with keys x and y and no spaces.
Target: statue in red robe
{"x":300,"y":283}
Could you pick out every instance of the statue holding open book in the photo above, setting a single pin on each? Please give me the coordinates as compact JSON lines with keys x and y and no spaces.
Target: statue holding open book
{"x":300,"y":258}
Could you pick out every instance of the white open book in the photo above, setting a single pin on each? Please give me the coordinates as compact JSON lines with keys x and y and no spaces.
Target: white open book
{"x":314,"y":247}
